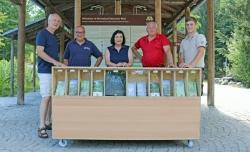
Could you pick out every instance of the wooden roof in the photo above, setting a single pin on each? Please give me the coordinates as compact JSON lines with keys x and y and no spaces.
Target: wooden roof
{"x":31,"y":30}
{"x":171,"y":9}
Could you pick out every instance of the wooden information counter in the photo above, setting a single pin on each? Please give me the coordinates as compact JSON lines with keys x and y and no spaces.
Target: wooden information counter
{"x":141,"y":113}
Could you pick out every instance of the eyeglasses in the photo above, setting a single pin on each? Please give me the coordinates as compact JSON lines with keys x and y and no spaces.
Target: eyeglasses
{"x":191,"y":24}
{"x":78,"y":32}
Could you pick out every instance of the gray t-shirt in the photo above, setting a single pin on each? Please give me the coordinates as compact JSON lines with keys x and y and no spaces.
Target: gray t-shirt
{"x":189,"y":48}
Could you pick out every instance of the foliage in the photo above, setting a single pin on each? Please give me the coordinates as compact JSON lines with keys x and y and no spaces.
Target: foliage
{"x":10,"y":10}
{"x":2,"y":20}
{"x":224,"y":28}
{"x":5,"y":77}
{"x":239,"y":44}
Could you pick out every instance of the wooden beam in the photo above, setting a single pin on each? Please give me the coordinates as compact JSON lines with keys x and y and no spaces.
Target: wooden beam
{"x":187,"y":12}
{"x":174,"y":2}
{"x":187,"y":15}
{"x":158,"y":15}
{"x":63,"y":7}
{"x":77,"y":13}
{"x":62,"y":38}
{"x":211,"y":50}
{"x":181,"y":12}
{"x":51,"y":8}
{"x":170,"y":9}
{"x":118,"y":7}
{"x":20,"y":52}
{"x":12,"y":71}
{"x":175,"y":43}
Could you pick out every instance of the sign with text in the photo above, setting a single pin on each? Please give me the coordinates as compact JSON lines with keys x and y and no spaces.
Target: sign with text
{"x":115,"y":19}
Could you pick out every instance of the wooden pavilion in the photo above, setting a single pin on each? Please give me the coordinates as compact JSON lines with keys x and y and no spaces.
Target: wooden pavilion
{"x":167,"y":13}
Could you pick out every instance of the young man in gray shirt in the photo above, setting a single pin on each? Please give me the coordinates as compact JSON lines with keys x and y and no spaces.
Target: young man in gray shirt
{"x":192,"y":48}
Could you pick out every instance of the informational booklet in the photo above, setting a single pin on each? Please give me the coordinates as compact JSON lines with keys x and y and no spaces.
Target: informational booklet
{"x":192,"y":88}
{"x":60,"y":88}
{"x":141,"y":88}
{"x":166,"y":87}
{"x":180,"y":89}
{"x":73,"y":86}
{"x":154,"y":89}
{"x":131,"y":88}
{"x":98,"y":88}
{"x":115,"y":84}
{"x":84,"y":88}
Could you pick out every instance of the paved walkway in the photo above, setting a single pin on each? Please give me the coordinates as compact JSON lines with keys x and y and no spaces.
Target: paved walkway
{"x":225,"y":128}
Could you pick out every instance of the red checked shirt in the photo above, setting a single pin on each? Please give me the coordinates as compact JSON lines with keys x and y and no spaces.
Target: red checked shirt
{"x":153,"y":53}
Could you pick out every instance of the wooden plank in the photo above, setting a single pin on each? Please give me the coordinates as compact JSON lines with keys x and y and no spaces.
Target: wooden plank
{"x":161,"y":83}
{"x":175,"y":57}
{"x":186,"y":79}
{"x":158,"y":15}
{"x":20,"y":52}
{"x":211,"y":50}
{"x":173,"y":83}
{"x":77,"y":16}
{"x":78,"y":82}
{"x":118,"y":7}
{"x":187,"y":15}
{"x":126,"y":118}
{"x":12,"y":70}
{"x":62,"y":42}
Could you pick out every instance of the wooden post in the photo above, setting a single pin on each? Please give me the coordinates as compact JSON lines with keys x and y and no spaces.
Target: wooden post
{"x":187,"y":15}
{"x":20,"y":52}
{"x":77,"y":13}
{"x":211,"y":44}
{"x":158,"y":15}
{"x":12,"y":52}
{"x":62,"y":38}
{"x":34,"y":68}
{"x":47,"y":11}
{"x":118,"y":7}
{"x":175,"y":42}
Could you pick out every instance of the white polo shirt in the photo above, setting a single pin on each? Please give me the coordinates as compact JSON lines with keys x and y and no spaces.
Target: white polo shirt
{"x":189,"y":48}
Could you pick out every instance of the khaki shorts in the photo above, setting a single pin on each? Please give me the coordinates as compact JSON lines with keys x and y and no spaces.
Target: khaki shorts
{"x":45,"y":84}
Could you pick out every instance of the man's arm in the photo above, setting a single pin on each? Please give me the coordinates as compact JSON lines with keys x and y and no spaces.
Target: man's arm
{"x":136,"y":53}
{"x":169,"y":56}
{"x":98,"y":61}
{"x":44,"y":56}
{"x":66,"y":61}
{"x":130,"y":58}
{"x":181,"y":60}
{"x":199,"y":55}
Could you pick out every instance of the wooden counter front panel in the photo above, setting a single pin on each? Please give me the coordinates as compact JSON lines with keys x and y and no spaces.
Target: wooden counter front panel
{"x":126,"y":118}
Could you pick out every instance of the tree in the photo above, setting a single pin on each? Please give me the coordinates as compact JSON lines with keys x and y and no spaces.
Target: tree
{"x":2,"y":20}
{"x":10,"y":11}
{"x":239,"y":44}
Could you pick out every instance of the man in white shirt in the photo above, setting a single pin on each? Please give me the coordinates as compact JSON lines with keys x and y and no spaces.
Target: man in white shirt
{"x":192,"y":48}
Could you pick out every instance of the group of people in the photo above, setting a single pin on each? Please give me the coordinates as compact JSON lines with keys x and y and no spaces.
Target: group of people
{"x":155,"y":50}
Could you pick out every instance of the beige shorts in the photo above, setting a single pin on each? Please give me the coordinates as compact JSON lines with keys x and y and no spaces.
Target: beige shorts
{"x":45,"y":84}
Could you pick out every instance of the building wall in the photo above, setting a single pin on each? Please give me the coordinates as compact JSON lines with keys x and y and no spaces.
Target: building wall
{"x":100,"y":36}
